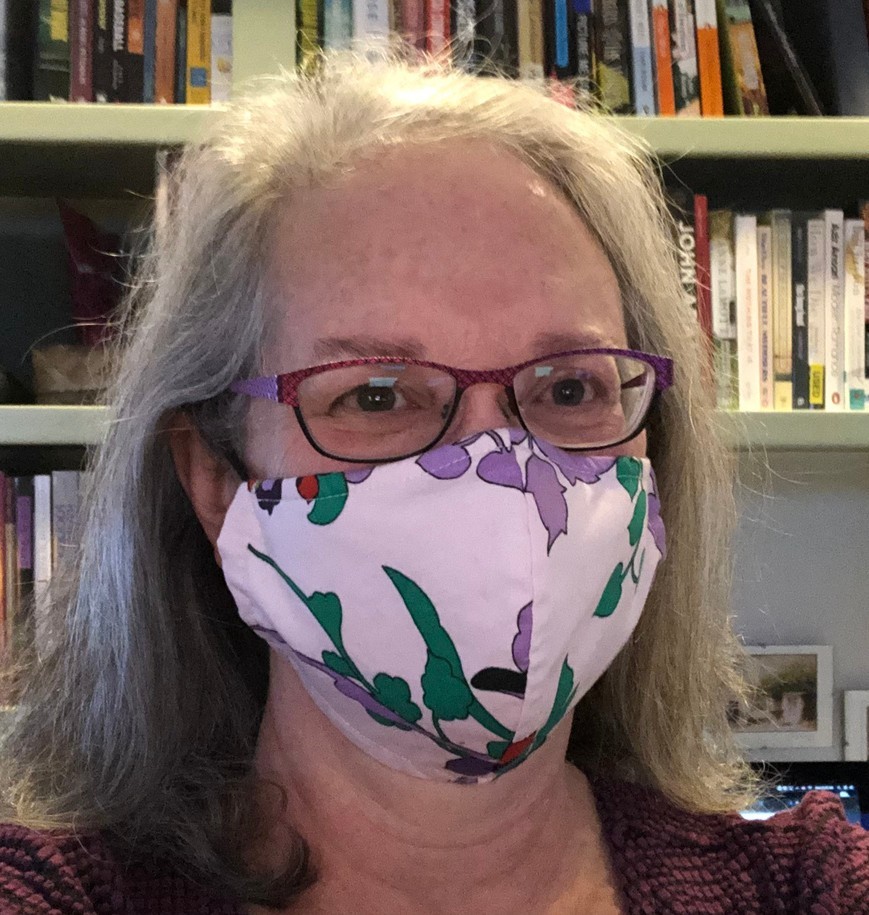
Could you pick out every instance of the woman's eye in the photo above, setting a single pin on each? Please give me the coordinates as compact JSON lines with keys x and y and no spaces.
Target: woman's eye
{"x":570,"y":392}
{"x":369,"y":398}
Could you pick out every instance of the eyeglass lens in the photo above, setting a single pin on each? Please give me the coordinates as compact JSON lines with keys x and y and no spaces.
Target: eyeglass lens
{"x":385,"y":410}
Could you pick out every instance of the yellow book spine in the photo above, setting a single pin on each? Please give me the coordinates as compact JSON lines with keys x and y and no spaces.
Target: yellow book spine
{"x":198,"y":52}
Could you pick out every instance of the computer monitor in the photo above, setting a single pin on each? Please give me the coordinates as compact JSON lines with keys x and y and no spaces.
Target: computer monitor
{"x":787,"y":783}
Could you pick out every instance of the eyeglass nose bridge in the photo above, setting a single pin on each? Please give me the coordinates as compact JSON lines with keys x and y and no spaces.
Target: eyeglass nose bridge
{"x":499,"y":378}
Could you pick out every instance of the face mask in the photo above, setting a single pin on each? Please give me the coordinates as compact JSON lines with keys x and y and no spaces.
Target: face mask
{"x":447,"y":611}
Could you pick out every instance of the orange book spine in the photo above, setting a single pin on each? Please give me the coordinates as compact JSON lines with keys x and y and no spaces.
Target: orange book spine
{"x":164,"y":63}
{"x":663,"y":58}
{"x":709,"y":59}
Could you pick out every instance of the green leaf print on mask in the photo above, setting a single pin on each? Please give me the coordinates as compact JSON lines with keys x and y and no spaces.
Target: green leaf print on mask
{"x":638,"y":521}
{"x":612,"y":593}
{"x":394,"y":693}
{"x":330,"y":499}
{"x":628,"y":472}
{"x":445,"y":680}
{"x":337,"y":663}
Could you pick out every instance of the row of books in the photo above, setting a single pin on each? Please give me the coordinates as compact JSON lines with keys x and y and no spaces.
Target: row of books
{"x":648,"y":57}
{"x":782,"y":298}
{"x":39,"y":520}
{"x":176,"y":51}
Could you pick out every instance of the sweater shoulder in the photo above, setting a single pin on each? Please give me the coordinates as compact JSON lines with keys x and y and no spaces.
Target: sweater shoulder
{"x":806,"y":859}
{"x":48,"y":873}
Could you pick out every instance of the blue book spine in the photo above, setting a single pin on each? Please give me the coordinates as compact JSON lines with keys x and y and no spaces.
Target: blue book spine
{"x":642,"y":66}
{"x":150,"y":49}
{"x":337,"y":23}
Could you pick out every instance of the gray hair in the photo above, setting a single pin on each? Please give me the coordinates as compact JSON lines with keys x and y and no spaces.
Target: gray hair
{"x":144,"y":719}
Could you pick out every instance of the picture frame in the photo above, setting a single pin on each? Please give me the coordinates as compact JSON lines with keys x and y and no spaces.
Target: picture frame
{"x":856,"y":725}
{"x":793,"y":703}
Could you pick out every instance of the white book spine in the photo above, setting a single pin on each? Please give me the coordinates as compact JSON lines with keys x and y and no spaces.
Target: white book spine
{"x":834,"y":316}
{"x":42,"y":556}
{"x":854,"y":297}
{"x":642,"y":69}
{"x":529,"y":38}
{"x":64,"y":518}
{"x":221,"y":57}
{"x":371,"y":20}
{"x":816,"y":232}
{"x":337,"y":23}
{"x":782,"y":310}
{"x":747,"y":311}
{"x":765,"y":307}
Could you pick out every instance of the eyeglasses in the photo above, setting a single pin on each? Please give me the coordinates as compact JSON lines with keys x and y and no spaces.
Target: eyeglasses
{"x":384,"y":409}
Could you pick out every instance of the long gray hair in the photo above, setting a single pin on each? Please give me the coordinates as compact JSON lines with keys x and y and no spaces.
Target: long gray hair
{"x":143,"y":721}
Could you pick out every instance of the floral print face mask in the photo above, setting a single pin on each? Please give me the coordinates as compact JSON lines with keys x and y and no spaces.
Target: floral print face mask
{"x":447,"y":611}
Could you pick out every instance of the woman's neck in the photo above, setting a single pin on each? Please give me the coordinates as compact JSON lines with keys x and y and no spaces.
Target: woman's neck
{"x":383,"y":841}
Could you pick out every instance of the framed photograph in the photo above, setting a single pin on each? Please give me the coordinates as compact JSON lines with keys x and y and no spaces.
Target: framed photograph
{"x":857,"y":725}
{"x":792,"y":704}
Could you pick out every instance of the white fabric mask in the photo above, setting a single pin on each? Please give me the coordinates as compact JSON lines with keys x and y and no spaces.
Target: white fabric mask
{"x":447,"y":611}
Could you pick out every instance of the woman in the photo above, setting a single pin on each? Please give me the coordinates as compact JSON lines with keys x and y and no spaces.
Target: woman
{"x":428,"y":659}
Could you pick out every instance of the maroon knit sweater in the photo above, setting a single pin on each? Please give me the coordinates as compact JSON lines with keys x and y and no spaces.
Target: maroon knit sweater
{"x":806,"y":861}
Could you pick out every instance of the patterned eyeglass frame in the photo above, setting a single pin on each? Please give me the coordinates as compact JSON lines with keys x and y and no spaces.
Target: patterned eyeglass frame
{"x":284,"y":389}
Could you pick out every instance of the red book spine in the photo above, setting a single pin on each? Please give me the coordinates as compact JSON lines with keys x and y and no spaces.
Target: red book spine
{"x":437,"y":25}
{"x":165,"y":64}
{"x":4,"y":483}
{"x":81,"y":52}
{"x":702,"y":266}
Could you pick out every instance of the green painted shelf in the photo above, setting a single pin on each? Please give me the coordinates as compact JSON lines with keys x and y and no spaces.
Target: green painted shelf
{"x":44,"y":425}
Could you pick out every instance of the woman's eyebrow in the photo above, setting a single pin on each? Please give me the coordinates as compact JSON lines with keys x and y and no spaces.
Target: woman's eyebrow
{"x":546,"y":343}
{"x":363,"y":347}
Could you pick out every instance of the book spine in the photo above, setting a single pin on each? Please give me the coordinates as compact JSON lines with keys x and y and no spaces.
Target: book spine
{"x":764,"y":303}
{"x":307,"y":32}
{"x":102,"y":67}
{"x":743,"y":77}
{"x":585,"y":75}
{"x":815,"y":288}
{"x":51,"y":77}
{"x":864,"y":213}
{"x":683,"y":48}
{"x":64,"y":520}
{"x":682,"y":209}
{"x":747,"y":310}
{"x":663,"y":59}
{"x":708,"y":59}
{"x":701,"y":258}
{"x":437,"y":23}
{"x":164,"y":51}
{"x":199,"y":51}
{"x":149,"y":52}
{"x":642,"y":73}
{"x":5,"y":482}
{"x":559,"y":51}
{"x":42,"y":558}
{"x":181,"y":54}
{"x":612,"y":55}
{"x":495,"y":37}
{"x":799,"y":282}
{"x":854,"y":294}
{"x":780,"y":222}
{"x":11,"y":564}
{"x":24,"y":574}
{"x":135,"y":56}
{"x":834,"y":316}
{"x":119,"y":52}
{"x":722,"y":274}
{"x":338,"y":23}
{"x":81,"y":51}
{"x":529,"y":40}
{"x":462,"y":28}
{"x":221,"y":57}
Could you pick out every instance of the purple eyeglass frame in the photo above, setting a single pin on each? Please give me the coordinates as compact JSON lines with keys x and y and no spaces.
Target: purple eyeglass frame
{"x":284,"y":388}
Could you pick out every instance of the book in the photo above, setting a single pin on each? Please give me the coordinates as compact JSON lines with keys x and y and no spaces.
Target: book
{"x":816,"y":241}
{"x":307,"y":36}
{"x":747,"y":310}
{"x":681,"y":204}
{"x":529,"y":40}
{"x":134,"y":56}
{"x":666,"y":97}
{"x":221,"y":55}
{"x":102,"y":50}
{"x":81,"y":51}
{"x":559,"y":40}
{"x":51,"y":77}
{"x":164,"y":51}
{"x":495,"y":39}
{"x":742,"y":79}
{"x":789,"y":88}
{"x":24,"y":575}
{"x":864,"y":214}
{"x":708,"y":59}
{"x":701,"y":259}
{"x":42,"y":559}
{"x":783,"y":382}
{"x":830,"y":37}
{"x":722,"y":282}
{"x":612,"y":56}
{"x":834,"y":317}
{"x":683,"y":49}
{"x":799,"y":320}
{"x":16,"y":63}
{"x":765,"y":305}
{"x":65,"y":526}
{"x":338,"y":22}
{"x":642,"y":71}
{"x":4,"y":643}
{"x":118,"y":90}
{"x":181,"y":54}
{"x":853,"y":300}
{"x":585,"y":66}
{"x":198,"y":36}
{"x":10,"y":570}
{"x":437,"y":22}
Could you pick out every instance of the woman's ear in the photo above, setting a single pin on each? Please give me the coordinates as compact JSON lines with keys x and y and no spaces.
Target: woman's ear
{"x":207,"y":478}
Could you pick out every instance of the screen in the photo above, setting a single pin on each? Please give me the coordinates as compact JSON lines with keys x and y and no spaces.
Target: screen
{"x":783,"y":797}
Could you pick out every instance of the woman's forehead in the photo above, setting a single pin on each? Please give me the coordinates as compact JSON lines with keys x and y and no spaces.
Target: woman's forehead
{"x":461,"y":246}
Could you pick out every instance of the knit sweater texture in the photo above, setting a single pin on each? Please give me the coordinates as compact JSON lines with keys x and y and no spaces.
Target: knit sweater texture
{"x":806,"y":861}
